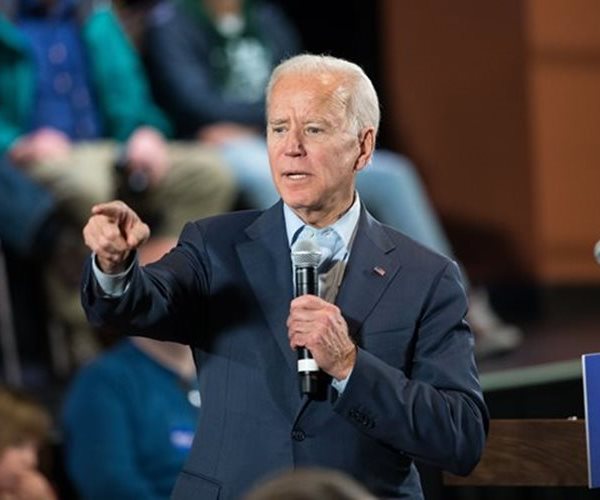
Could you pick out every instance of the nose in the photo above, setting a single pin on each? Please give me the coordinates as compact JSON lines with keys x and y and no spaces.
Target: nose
{"x":293,"y":143}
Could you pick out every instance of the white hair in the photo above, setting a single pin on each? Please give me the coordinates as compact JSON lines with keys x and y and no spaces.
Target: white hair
{"x":357,"y":91}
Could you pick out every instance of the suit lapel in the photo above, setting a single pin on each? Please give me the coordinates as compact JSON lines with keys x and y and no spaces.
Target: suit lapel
{"x":370,"y":269}
{"x":265,"y":258}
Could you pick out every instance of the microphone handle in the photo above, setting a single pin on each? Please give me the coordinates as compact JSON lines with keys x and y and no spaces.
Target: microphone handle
{"x":307,"y":372}
{"x":307,"y":282}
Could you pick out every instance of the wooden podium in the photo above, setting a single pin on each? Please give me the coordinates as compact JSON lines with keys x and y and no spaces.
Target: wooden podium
{"x":530,"y":453}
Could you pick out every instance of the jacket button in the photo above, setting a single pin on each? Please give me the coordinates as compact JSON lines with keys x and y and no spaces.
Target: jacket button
{"x":298,"y":435}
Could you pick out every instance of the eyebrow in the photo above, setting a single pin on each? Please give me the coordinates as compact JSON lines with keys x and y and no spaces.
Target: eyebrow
{"x":278,"y":121}
{"x":283,"y":121}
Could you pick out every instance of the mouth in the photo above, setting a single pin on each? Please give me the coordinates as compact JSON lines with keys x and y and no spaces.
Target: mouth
{"x":295,"y":176}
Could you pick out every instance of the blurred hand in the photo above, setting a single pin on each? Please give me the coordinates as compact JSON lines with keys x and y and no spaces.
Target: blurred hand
{"x":319,"y":326}
{"x":113,"y":231}
{"x":223,"y":132}
{"x":45,"y":144}
{"x":147,"y":152}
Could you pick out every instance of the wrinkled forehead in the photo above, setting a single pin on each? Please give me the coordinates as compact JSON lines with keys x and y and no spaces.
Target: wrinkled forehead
{"x":312,"y":92}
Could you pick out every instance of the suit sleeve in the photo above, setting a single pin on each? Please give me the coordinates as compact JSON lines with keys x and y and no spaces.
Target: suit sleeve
{"x":164,"y":300}
{"x":433,"y":412}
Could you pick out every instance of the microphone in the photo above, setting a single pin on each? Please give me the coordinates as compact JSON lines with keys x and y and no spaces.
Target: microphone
{"x":597,"y":251}
{"x":306,"y":256}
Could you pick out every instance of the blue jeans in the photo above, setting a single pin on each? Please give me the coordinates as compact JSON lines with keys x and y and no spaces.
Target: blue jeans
{"x":390,"y":188}
{"x":24,"y":206}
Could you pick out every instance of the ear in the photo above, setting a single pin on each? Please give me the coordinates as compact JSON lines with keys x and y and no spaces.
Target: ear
{"x":366,"y":143}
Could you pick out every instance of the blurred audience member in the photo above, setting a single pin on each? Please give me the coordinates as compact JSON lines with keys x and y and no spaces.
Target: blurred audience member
{"x":32,"y":232}
{"x":129,"y":421}
{"x":24,"y":426}
{"x":209,"y":61}
{"x":310,"y":484}
{"x":26,"y":210}
{"x":129,"y":417}
{"x":75,"y":106}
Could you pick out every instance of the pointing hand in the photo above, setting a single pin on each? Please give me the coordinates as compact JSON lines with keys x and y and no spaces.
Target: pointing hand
{"x":113,"y":231}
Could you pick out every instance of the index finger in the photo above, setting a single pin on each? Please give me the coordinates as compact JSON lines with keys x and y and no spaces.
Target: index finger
{"x":309,"y":302}
{"x":114,"y":209}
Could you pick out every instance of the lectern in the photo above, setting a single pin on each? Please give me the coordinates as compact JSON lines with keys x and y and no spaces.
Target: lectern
{"x":530,"y":452}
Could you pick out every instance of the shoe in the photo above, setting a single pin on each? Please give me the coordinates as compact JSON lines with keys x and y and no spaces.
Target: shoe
{"x":493,"y":336}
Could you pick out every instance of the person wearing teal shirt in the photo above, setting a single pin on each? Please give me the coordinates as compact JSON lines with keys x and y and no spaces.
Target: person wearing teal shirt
{"x":129,"y":421}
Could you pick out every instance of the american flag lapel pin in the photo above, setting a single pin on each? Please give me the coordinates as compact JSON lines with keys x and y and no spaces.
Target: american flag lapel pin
{"x":379,"y":270}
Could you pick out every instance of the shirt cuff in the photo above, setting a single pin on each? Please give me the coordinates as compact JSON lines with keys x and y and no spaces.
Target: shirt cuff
{"x":340,"y":385}
{"x":112,"y":285}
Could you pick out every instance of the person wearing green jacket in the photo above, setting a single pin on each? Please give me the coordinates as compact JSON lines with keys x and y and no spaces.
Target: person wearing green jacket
{"x":74,"y":105}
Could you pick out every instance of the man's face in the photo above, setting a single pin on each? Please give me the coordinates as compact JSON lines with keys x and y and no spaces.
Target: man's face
{"x":313,"y":152}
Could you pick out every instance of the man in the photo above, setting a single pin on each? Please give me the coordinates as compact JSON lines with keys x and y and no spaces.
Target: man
{"x":394,"y":349}
{"x":209,"y":61}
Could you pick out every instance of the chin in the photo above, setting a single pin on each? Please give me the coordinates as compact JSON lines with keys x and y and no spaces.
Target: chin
{"x":297,"y":200}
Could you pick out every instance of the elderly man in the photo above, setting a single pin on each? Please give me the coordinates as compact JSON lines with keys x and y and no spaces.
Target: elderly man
{"x":388,"y":333}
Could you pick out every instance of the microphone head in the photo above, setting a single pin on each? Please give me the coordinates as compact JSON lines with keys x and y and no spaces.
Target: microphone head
{"x":306,"y":253}
{"x":597,"y":252}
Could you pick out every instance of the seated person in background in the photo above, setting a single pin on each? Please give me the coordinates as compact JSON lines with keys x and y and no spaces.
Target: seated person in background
{"x":209,"y":60}
{"x":26,"y":209}
{"x":34,"y":233}
{"x":74,"y":102}
{"x":24,"y":427}
{"x":310,"y":484}
{"x":32,"y":224}
{"x":129,"y":419}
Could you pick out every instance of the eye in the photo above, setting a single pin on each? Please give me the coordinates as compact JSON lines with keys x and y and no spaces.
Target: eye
{"x":278,"y":129}
{"x":312,"y":130}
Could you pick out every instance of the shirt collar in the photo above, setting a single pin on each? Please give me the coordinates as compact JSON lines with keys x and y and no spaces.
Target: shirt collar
{"x":344,"y":226}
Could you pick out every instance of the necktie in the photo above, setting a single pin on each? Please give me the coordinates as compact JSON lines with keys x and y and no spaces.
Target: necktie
{"x":330,"y":242}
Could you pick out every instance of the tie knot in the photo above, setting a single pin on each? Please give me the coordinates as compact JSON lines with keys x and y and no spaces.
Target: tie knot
{"x":330,"y":243}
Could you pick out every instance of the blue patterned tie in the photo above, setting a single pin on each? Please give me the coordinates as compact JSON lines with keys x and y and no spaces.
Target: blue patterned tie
{"x":330,"y":242}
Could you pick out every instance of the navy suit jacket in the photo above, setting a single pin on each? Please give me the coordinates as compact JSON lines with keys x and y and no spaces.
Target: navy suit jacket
{"x":225,"y":290}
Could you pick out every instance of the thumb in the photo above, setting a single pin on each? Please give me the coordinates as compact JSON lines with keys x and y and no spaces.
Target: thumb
{"x":137,"y":233}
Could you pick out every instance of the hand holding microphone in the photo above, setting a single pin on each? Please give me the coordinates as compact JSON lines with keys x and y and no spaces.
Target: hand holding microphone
{"x":316,"y":328}
{"x":306,"y":256}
